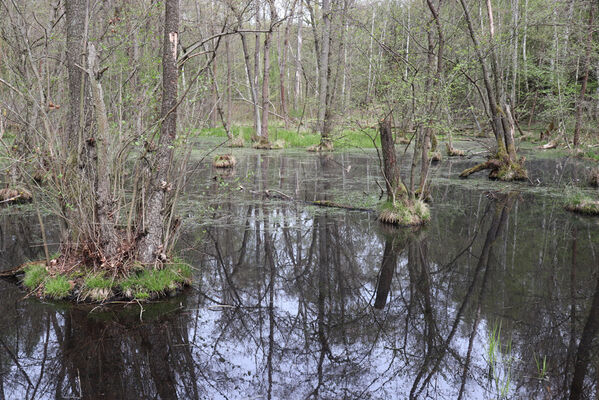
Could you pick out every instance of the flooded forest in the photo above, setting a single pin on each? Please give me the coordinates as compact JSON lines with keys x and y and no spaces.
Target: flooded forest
{"x":299,"y":199}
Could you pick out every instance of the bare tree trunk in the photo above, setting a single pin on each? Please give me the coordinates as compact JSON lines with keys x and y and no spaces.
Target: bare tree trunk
{"x":298,"y":58}
{"x":585,"y":79}
{"x":257,"y":122}
{"x":324,"y":69}
{"x":266,"y":73}
{"x":103,"y":196}
{"x":151,"y":242}
{"x":79,"y":99}
{"x":391,"y":168}
{"x":252,"y":84}
{"x":283,"y":66}
{"x":229,"y":85}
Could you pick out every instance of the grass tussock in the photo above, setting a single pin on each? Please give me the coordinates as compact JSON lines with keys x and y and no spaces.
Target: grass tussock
{"x":582,"y":204}
{"x":224,"y":161}
{"x":404,"y":213}
{"x":94,"y":286}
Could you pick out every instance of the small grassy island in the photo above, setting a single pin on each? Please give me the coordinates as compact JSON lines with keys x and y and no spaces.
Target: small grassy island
{"x":79,"y":285}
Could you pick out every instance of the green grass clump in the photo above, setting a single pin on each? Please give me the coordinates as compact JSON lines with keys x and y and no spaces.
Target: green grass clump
{"x":141,"y":285}
{"x":581,"y":203}
{"x":57,"y":287}
{"x":35,"y":274}
{"x":404,"y":214}
{"x":98,"y":281}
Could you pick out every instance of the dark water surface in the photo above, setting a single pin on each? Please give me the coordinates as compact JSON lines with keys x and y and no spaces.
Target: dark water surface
{"x":497,"y":298}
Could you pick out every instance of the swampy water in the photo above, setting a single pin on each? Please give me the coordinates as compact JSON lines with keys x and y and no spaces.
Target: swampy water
{"x":497,"y":298}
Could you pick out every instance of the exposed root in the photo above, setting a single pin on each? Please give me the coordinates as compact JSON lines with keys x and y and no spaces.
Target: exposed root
{"x":15,"y":196}
{"x":453,"y":152}
{"x":404,"y":214}
{"x":501,"y":169}
{"x":224,"y":161}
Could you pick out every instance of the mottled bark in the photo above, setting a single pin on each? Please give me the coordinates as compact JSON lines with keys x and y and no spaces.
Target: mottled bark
{"x":151,"y":242}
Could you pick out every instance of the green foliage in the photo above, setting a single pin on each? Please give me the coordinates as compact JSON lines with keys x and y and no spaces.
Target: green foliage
{"x":35,"y":274}
{"x":98,"y":281}
{"x":345,"y":139}
{"x":57,"y":287}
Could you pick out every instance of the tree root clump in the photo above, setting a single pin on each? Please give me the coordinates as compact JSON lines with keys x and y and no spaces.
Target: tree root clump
{"x":501,"y":168}
{"x":15,"y":196}
{"x":404,"y":213}
{"x":94,"y":285}
{"x":263,"y":144}
{"x":323,"y":147}
{"x":236,"y":142}
{"x":224,"y":161}
{"x":453,"y":152}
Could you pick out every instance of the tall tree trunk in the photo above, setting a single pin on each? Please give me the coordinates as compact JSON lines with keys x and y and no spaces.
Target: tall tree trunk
{"x":391,"y":168}
{"x":79,"y":98}
{"x":229,"y":86}
{"x":324,"y":69}
{"x":585,"y":79}
{"x":257,"y":122}
{"x":252,"y":85}
{"x":104,"y":206}
{"x":298,"y":58}
{"x":266,"y":73}
{"x":151,"y":242}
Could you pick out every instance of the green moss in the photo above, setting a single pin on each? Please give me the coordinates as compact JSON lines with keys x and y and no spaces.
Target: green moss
{"x":57,"y":287}
{"x":35,"y":274}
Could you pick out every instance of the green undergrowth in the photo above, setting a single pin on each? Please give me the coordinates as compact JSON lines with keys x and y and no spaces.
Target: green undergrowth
{"x":343,"y":139}
{"x":97,"y":286}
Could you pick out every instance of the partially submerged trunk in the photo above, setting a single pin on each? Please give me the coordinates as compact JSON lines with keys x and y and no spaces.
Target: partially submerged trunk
{"x":504,"y":164}
{"x":400,"y":208}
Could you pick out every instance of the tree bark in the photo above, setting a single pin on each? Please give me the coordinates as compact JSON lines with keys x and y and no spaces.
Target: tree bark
{"x":324,"y":69}
{"x":585,"y":79}
{"x":151,"y":242}
{"x":391,"y":168}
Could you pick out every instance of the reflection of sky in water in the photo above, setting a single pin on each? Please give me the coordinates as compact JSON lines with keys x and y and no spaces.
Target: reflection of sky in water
{"x":322,"y":335}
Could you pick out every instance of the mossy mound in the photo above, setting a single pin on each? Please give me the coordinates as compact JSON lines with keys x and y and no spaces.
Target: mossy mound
{"x":404,"y":214}
{"x":98,"y":286}
{"x":263,"y":144}
{"x":224,"y":161}
{"x":237,"y":142}
{"x":15,"y":196}
{"x":322,"y":147}
{"x":582,"y":204}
